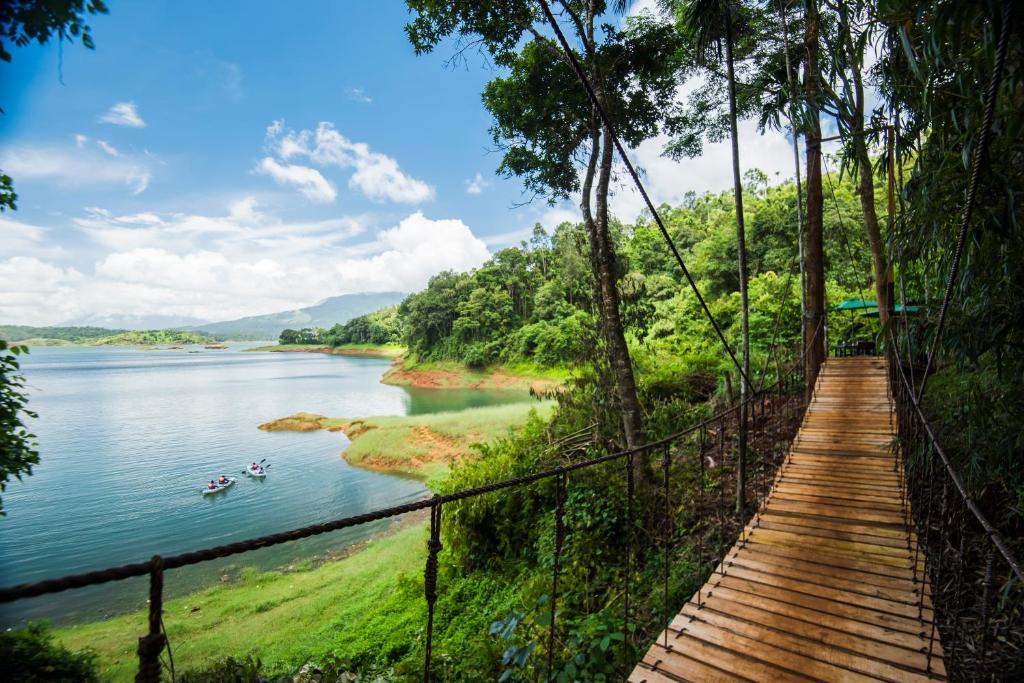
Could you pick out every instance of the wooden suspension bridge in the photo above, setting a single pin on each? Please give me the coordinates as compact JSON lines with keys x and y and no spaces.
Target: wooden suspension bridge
{"x":826,"y":581}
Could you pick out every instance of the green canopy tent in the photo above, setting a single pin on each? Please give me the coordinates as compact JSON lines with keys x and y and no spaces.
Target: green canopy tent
{"x":850,"y":346}
{"x":854,"y":305}
{"x":911,"y":310}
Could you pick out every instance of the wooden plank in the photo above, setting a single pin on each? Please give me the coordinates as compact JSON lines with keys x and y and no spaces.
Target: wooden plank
{"x":676,"y":664}
{"x":876,"y":632}
{"x":826,"y":605}
{"x":836,"y":511}
{"x":729,"y":661}
{"x":641,"y":674}
{"x":909,"y":658}
{"x":822,"y":498}
{"x":831,"y":663}
{"x":787,"y":563}
{"x":763,"y":650}
{"x":902,"y":592}
{"x":832,"y":590}
{"x":804,"y":553}
{"x":850,"y":527}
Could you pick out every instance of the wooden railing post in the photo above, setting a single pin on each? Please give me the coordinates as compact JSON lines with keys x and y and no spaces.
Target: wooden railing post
{"x":152,"y":644}
{"x":430,"y":582}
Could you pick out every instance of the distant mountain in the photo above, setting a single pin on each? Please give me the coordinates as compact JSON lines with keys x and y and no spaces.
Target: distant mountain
{"x":336,"y":309}
{"x":134,"y":322}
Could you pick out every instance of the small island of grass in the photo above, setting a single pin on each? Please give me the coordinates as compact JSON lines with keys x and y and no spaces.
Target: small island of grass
{"x":421,"y":446}
{"x":375,"y":350}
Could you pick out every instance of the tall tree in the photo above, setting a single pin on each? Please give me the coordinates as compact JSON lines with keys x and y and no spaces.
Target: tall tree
{"x":853,"y":31}
{"x":712,"y":26}
{"x":551,"y":136}
{"x":814,"y":257}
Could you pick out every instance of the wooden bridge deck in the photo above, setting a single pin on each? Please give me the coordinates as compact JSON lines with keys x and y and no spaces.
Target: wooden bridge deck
{"x":821,"y":584}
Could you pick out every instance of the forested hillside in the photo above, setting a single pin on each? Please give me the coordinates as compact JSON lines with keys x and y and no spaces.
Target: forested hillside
{"x":535,"y":303}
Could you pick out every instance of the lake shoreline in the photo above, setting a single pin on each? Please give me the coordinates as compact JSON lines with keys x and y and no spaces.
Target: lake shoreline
{"x":371,"y":350}
{"x":438,"y":374}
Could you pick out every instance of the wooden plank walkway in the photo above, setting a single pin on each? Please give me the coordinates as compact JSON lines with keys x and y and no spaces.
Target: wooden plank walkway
{"x":821,"y":584}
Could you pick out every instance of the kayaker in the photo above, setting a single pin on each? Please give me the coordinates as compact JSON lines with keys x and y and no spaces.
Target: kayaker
{"x":222,"y":480}
{"x":261,"y":470}
{"x":211,"y":485}
{"x":253,"y":467}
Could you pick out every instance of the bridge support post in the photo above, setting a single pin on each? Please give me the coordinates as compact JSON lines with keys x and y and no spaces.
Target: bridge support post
{"x":152,"y":644}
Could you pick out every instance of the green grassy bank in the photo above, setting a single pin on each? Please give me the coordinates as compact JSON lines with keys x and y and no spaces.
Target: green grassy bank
{"x":422,"y":446}
{"x":455,"y":375}
{"x":377,"y":350}
{"x":352,"y":607}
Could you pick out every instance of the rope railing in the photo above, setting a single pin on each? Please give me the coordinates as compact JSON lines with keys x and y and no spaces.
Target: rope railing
{"x":704,"y":451}
{"x":970,"y":571}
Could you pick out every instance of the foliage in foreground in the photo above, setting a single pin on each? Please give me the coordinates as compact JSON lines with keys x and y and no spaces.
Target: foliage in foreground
{"x":17,"y":445}
{"x":31,"y":654}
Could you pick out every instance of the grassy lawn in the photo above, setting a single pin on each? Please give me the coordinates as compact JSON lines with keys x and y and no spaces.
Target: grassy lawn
{"x":455,"y":375}
{"x":425,"y":446}
{"x":357,"y":607}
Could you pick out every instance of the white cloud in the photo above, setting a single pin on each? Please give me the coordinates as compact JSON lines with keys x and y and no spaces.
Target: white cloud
{"x":549,"y":218}
{"x":84,"y":165}
{"x":376,"y":175}
{"x":476,"y":184}
{"x":36,"y":292}
{"x":108,"y":148}
{"x":245,"y":262}
{"x":413,"y":251}
{"x":310,"y":181}
{"x":668,"y":181}
{"x":123,"y":114}
{"x":359,"y":95}
{"x":24,"y":239}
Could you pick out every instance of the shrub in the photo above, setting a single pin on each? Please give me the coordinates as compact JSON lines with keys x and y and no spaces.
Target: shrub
{"x":31,"y":654}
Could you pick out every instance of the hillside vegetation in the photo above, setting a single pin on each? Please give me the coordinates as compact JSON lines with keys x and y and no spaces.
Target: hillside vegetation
{"x":535,"y":304}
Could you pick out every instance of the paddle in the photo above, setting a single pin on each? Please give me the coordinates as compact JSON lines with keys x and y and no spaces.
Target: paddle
{"x":248,"y":468}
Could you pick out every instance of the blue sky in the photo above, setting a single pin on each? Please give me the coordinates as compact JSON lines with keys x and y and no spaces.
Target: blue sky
{"x":213,"y":160}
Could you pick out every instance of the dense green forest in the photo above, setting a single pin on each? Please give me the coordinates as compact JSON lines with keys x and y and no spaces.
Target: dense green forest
{"x":16,"y":333}
{"x":100,"y":336}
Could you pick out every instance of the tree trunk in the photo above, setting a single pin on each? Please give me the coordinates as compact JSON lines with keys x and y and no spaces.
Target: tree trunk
{"x":615,"y":339}
{"x":814,"y":321}
{"x":602,"y":259}
{"x":874,"y":233}
{"x":867,"y":185}
{"x":741,"y":245}
{"x":866,"y":188}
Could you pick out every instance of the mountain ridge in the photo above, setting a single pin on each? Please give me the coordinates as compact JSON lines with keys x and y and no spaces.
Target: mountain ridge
{"x":329,"y":311}
{"x":325,"y":313}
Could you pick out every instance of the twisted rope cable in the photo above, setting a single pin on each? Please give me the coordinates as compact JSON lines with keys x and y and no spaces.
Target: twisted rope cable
{"x":921,"y":422}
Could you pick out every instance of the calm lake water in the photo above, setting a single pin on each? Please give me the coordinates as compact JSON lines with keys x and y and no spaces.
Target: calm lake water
{"x":128,"y":438}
